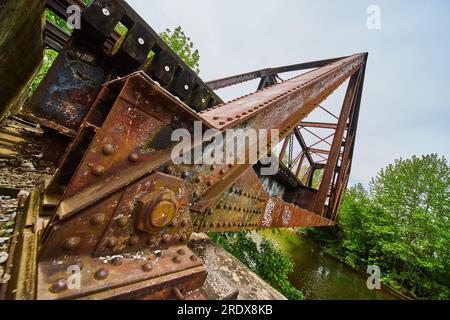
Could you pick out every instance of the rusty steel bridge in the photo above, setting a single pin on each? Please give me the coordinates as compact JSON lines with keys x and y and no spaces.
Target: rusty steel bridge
{"x":110,"y":108}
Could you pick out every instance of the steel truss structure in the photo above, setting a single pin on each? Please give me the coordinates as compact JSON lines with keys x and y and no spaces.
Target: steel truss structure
{"x":118,"y":207}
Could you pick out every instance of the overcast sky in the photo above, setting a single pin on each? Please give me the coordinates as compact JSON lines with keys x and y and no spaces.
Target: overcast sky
{"x":405,"y":107}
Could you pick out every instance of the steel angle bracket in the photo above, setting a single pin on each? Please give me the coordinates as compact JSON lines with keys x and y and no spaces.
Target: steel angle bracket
{"x":119,"y":221}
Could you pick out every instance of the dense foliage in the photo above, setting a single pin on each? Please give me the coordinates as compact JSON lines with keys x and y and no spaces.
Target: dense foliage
{"x":271,"y":264}
{"x":402,"y":225}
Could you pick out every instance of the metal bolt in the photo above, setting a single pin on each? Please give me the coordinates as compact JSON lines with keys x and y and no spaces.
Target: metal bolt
{"x":111,"y":243}
{"x":97,"y":219}
{"x":133,"y":157}
{"x":186,"y":87}
{"x":98,"y":171}
{"x":177,"y":259}
{"x":166,"y":238}
{"x":141,"y":41}
{"x":71,"y":243}
{"x":183,"y":223}
{"x":193,"y":258}
{"x":212,"y":168}
{"x":181,"y":252}
{"x":134,"y":240}
{"x":198,"y":179}
{"x":167,"y":68}
{"x":101,"y":274}
{"x":122,"y":222}
{"x":105,"y":12}
{"x":148,"y":267}
{"x":117,"y":261}
{"x":59,"y":286}
{"x":209,"y":183}
{"x":108,"y":149}
{"x":222,"y":171}
{"x":183,"y":238}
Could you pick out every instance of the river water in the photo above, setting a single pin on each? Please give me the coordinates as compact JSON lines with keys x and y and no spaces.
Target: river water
{"x":320,"y":276}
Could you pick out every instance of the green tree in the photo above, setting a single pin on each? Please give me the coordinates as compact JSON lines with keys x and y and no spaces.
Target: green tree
{"x":270,"y":263}
{"x":401,"y":225}
{"x":183,"y":47}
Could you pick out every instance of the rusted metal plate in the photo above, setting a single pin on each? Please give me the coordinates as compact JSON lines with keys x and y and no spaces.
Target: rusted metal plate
{"x":114,"y":275}
{"x":238,"y":208}
{"x":122,"y":231}
{"x":67,"y":92}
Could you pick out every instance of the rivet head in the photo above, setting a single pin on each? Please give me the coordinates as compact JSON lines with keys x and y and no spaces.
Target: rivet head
{"x":212,"y":168}
{"x":59,"y":286}
{"x":71,"y":243}
{"x":186,"y":87}
{"x":177,"y":259}
{"x":183,"y":223}
{"x":181,"y":252}
{"x":166,"y":238}
{"x":134,"y":241}
{"x":148,"y":267}
{"x":141,"y":41}
{"x":167,"y":68}
{"x":209,"y":183}
{"x":193,"y":258}
{"x":133,"y":157}
{"x":101,"y":274}
{"x":111,"y":243}
{"x":108,"y":149}
{"x":117,"y":261}
{"x":98,"y":171}
{"x":183,"y":238}
{"x":97,"y":219}
{"x":106,"y":12}
{"x":122,"y":222}
{"x":196,"y":194}
{"x":198,"y":179}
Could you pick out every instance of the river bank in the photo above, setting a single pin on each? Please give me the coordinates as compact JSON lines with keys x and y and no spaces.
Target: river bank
{"x":321,"y":276}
